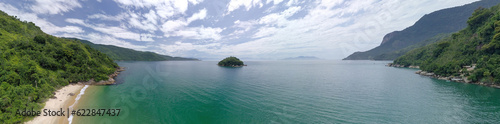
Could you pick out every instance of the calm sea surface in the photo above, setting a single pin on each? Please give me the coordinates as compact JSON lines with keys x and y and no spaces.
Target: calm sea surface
{"x":287,"y":92}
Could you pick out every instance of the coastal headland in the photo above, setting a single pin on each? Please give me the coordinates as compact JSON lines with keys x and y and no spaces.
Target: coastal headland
{"x":65,"y":97}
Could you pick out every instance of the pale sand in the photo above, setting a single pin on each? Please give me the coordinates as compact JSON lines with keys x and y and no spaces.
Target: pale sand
{"x":63,"y":101}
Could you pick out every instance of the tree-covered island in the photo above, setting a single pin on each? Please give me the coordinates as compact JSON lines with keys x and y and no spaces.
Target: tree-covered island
{"x":231,"y":62}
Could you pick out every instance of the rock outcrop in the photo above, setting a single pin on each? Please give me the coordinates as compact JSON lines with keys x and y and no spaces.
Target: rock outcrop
{"x":401,"y":66}
{"x":110,"y":80}
{"x":461,"y":78}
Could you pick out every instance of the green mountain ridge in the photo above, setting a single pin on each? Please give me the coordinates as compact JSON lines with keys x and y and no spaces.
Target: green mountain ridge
{"x":125,"y":54}
{"x":477,"y":46}
{"x":445,"y":21}
{"x":34,"y":64}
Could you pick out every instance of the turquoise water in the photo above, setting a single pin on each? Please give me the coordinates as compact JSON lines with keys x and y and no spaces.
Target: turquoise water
{"x":287,"y":92}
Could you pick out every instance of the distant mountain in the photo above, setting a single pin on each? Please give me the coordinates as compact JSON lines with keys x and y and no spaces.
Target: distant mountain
{"x":125,"y":54}
{"x":302,"y":58}
{"x":442,"y":22}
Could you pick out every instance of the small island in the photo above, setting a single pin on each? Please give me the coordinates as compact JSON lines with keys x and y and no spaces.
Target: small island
{"x":231,"y":62}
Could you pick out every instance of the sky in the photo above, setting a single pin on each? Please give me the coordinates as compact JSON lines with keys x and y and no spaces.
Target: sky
{"x":215,"y":29}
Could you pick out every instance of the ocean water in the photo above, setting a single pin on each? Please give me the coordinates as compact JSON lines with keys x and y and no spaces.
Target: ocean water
{"x":286,"y":92}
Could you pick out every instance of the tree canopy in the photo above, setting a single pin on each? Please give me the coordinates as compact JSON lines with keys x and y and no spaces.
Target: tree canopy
{"x":231,"y":61}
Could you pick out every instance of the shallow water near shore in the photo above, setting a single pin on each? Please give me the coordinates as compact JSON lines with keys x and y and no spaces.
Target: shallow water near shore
{"x":286,"y":92}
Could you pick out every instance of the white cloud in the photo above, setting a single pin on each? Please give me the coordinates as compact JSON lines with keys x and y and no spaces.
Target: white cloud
{"x":179,"y":28}
{"x":108,"y":40}
{"x":45,"y":25}
{"x":119,"y":17}
{"x":99,"y":38}
{"x":151,"y":17}
{"x":248,"y":4}
{"x":247,"y":25}
{"x":234,"y":35}
{"x":146,"y":23}
{"x":254,"y":48}
{"x":76,"y":21}
{"x":65,"y":29}
{"x":181,"y":47}
{"x":241,"y":28}
{"x":274,"y":1}
{"x":164,"y":8}
{"x":118,"y":32}
{"x":181,"y":5}
{"x":269,"y":21}
{"x":265,"y":31}
{"x":199,"y":33}
{"x":198,"y":16}
{"x":173,"y":25}
{"x":194,"y":2}
{"x":165,"y":11}
{"x":279,"y":18}
{"x":54,"y":6}
{"x":235,"y":4}
{"x":292,"y":2}
{"x":141,"y":3}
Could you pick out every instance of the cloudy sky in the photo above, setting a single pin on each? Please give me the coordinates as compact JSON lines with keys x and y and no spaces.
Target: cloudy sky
{"x":214,"y":29}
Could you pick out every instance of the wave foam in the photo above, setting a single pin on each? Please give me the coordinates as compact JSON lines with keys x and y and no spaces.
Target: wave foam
{"x":70,"y":119}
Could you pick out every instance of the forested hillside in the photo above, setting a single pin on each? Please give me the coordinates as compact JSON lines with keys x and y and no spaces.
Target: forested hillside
{"x":33,"y":64}
{"x":478,"y":44}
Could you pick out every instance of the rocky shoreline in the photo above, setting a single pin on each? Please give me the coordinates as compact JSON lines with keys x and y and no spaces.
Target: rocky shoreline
{"x":401,"y":66}
{"x":235,"y":66}
{"x":461,"y":79}
{"x":110,"y":80}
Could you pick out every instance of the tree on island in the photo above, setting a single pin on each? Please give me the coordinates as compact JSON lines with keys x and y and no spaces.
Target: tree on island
{"x":231,"y":62}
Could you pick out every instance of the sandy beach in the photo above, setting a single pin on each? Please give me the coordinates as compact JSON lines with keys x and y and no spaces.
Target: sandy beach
{"x":62,"y":100}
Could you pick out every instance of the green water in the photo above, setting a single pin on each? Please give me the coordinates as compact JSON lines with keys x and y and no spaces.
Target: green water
{"x":287,"y":92}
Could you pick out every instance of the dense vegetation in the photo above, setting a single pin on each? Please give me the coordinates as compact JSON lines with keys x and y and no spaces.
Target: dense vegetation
{"x":33,"y":64}
{"x":423,"y":32}
{"x":125,"y":54}
{"x":231,"y":61}
{"x":478,"y":44}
